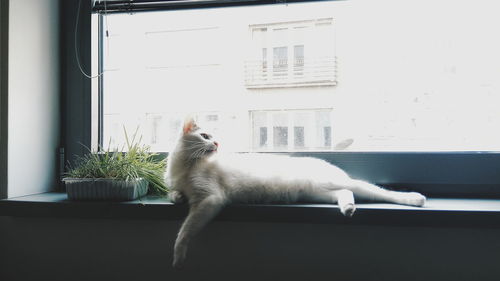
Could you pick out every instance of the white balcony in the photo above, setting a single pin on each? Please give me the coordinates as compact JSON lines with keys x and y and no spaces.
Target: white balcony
{"x":299,"y":73}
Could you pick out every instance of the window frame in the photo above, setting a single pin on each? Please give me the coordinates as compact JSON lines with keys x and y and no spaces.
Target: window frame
{"x":469,"y":174}
{"x":127,"y":6}
{"x":4,"y":96}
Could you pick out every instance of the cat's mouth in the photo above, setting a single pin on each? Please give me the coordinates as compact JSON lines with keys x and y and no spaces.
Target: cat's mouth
{"x":212,"y":150}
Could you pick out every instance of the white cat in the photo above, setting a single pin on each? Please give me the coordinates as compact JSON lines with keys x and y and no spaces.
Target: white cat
{"x":211,"y":180}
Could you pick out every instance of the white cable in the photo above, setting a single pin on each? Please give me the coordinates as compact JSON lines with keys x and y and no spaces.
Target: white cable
{"x":76,"y":42}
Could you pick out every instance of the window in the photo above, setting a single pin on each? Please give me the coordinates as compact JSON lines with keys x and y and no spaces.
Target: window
{"x":298,"y":59}
{"x":327,"y":136}
{"x":263,"y":136}
{"x":293,"y":130}
{"x":298,"y":56}
{"x":264,"y":61}
{"x":192,"y":61}
{"x":280,"y":61}
{"x":287,"y":40}
{"x":298,"y":137}
{"x":419,"y":96}
{"x":154,"y":121}
{"x":280,"y":137}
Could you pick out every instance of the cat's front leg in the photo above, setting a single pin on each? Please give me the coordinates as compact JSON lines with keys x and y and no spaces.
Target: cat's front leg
{"x":176,"y":197}
{"x":200,"y":214}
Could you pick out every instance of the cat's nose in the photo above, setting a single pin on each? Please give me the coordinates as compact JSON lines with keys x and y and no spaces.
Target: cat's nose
{"x":216,"y":144}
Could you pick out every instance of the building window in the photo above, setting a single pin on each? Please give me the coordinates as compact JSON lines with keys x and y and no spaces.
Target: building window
{"x":263,"y":136}
{"x":327,"y":136}
{"x":298,"y":55}
{"x":280,"y":137}
{"x":291,"y":66}
{"x":298,"y":137}
{"x":264,"y":61}
{"x":155,"y":127}
{"x":280,"y":61}
{"x":212,"y":117}
{"x":292,"y":130}
{"x":298,"y":60}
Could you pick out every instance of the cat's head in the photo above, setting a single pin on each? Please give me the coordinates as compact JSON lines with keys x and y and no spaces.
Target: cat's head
{"x":195,"y":142}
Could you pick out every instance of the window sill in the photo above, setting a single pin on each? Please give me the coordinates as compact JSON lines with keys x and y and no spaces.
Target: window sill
{"x":437,"y":212}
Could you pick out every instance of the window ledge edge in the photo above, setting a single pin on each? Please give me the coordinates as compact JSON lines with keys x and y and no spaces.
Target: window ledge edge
{"x":442,"y":212}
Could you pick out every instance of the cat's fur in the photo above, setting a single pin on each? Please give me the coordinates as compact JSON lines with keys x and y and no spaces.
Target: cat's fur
{"x":209,"y":180}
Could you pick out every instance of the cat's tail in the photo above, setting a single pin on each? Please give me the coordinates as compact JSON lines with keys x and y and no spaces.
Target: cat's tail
{"x":176,"y":197}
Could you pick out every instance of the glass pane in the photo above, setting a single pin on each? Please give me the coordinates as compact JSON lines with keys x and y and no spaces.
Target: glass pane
{"x":298,"y":137}
{"x":280,"y":61}
{"x":390,"y":75}
{"x":280,"y":137}
{"x":263,"y":136}
{"x":298,"y":55}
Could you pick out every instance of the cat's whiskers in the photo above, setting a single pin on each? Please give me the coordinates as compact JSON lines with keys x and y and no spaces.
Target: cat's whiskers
{"x":190,"y":147}
{"x":190,"y":141}
{"x":200,"y":151}
{"x":203,"y":151}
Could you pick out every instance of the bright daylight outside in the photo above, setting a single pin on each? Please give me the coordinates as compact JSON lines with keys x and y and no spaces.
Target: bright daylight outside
{"x":388,"y":75}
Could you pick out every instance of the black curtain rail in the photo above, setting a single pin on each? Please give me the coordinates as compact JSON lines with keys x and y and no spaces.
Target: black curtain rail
{"x":132,"y":6}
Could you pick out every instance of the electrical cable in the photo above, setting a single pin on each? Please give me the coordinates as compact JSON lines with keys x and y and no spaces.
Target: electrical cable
{"x":77,"y":56}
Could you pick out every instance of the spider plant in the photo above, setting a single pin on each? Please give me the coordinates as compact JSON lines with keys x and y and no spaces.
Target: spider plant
{"x":136,"y":162}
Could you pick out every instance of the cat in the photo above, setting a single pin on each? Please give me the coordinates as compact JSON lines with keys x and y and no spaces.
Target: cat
{"x":209,"y":180}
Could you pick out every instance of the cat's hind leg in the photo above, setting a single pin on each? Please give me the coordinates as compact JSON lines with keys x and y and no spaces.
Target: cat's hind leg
{"x":343,"y":197}
{"x":345,"y":200}
{"x":367,"y":191}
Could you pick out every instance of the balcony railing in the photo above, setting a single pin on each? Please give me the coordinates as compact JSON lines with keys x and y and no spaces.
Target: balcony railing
{"x":300,"y":73}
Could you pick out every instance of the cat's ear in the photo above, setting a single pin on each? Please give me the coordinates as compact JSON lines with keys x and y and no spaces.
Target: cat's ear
{"x":189,"y":125}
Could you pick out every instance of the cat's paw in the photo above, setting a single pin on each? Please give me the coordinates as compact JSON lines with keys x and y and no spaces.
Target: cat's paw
{"x":179,"y":260}
{"x":179,"y":256}
{"x":177,"y":264}
{"x":176,"y":197}
{"x":414,"y":199}
{"x":348,"y":209}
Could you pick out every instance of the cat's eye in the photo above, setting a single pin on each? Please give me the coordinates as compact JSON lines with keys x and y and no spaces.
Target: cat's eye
{"x":205,"y":136}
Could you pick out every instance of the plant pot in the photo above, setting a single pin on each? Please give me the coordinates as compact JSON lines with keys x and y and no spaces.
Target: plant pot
{"x":105,"y":189}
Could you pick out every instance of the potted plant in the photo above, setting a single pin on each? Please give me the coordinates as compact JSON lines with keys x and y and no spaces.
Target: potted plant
{"x":115,"y":175}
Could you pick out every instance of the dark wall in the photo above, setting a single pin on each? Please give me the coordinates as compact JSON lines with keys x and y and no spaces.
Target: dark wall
{"x":83,"y":249}
{"x":75,"y":87}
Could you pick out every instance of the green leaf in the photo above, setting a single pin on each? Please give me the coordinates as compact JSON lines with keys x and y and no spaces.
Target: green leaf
{"x":137,"y":162}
